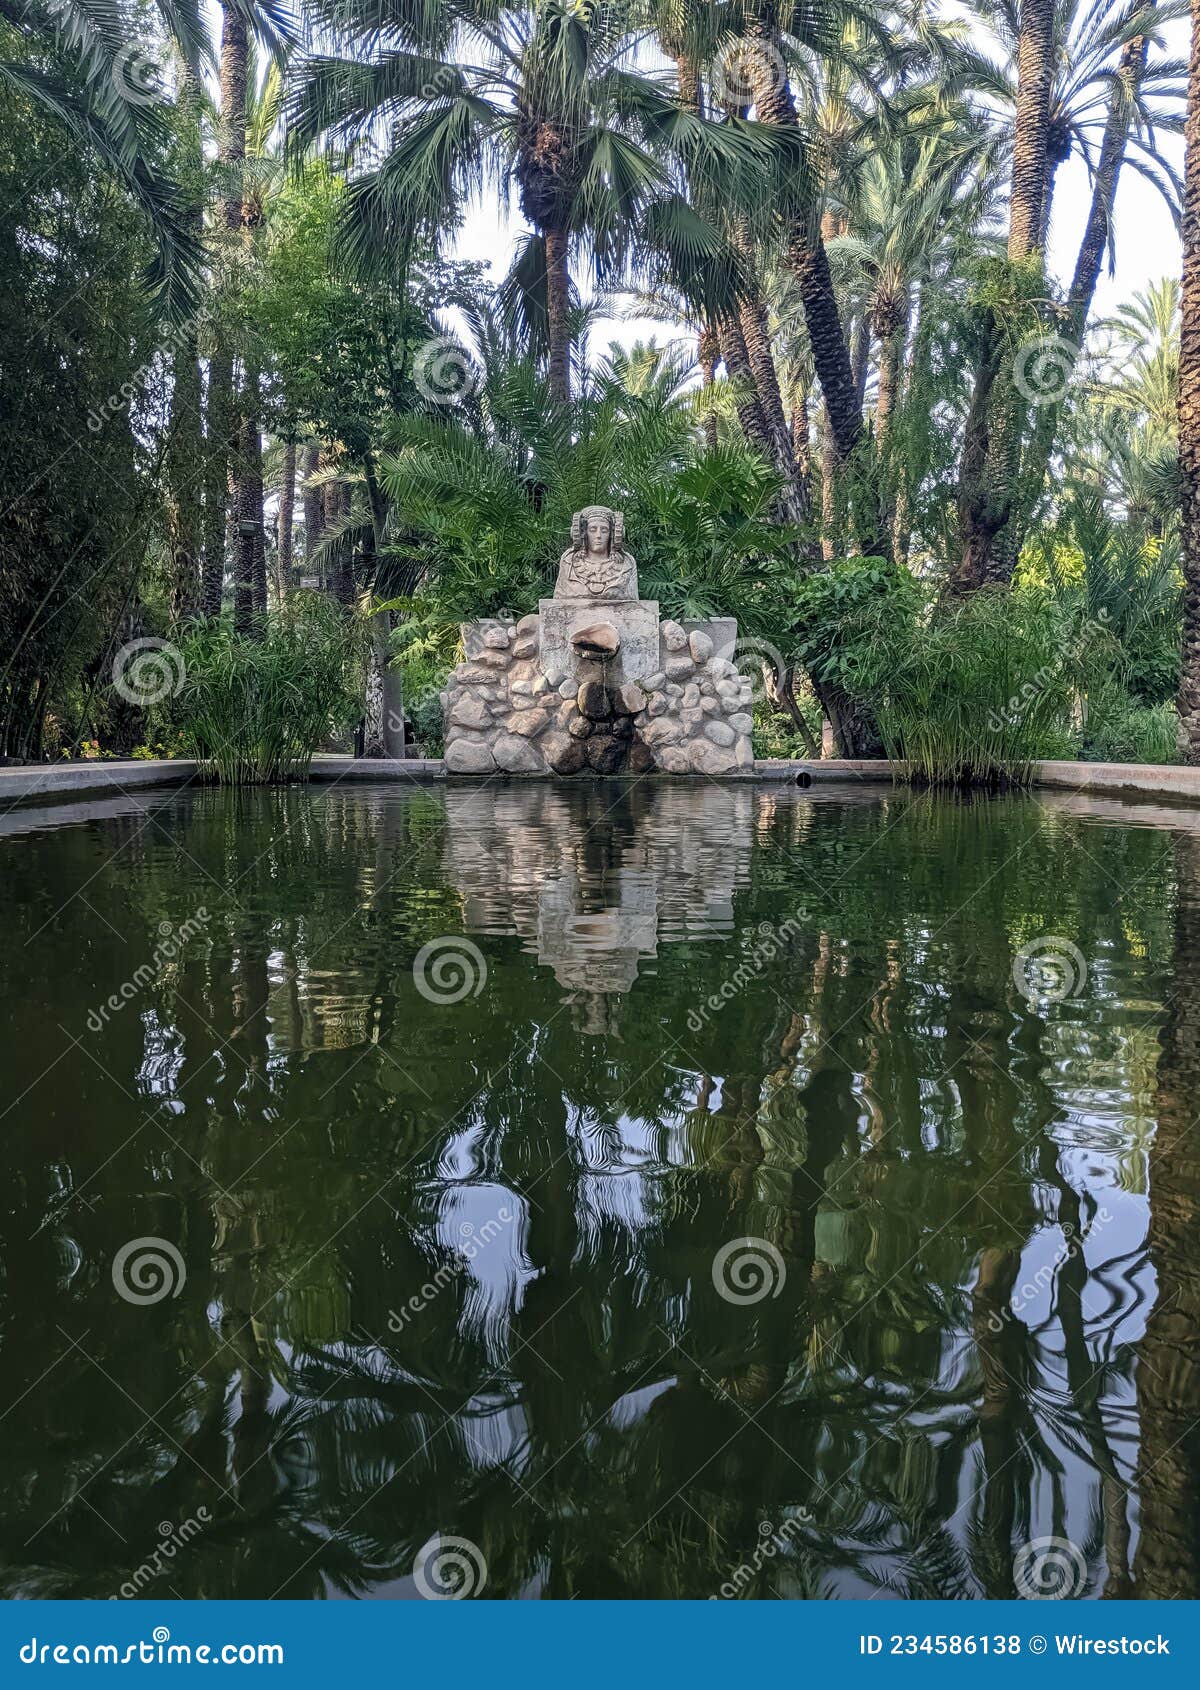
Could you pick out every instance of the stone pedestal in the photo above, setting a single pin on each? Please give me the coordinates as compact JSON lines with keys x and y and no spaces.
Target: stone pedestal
{"x":636,"y":623}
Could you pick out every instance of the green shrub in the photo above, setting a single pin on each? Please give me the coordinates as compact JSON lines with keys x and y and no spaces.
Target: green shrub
{"x":1120,"y":730}
{"x":256,"y":709}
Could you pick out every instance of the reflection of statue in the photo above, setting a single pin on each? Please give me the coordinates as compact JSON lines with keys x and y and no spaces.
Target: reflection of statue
{"x":597,"y":566}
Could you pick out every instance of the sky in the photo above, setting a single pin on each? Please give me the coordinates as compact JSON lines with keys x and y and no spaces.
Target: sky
{"x":1147,"y":245}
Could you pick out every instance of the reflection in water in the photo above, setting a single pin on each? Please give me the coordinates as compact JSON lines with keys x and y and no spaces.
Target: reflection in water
{"x":455,"y":1267}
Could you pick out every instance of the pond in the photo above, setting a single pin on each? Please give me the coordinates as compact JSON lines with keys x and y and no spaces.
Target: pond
{"x":599,"y":1191}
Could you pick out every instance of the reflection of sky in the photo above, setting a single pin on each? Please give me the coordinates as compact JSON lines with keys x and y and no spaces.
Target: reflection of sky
{"x":496,"y":1268}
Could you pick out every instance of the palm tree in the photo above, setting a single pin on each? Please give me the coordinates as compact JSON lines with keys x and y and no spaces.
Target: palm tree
{"x":230,"y":467}
{"x":77,"y":69}
{"x":1086,"y":87}
{"x":911,"y":208}
{"x":540,"y":96}
{"x":1189,"y":412}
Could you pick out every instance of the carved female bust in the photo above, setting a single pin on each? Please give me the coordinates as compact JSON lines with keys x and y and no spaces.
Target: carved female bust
{"x":596,"y":565}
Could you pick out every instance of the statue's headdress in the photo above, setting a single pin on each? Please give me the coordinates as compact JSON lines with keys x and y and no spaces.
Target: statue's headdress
{"x":616,"y":522}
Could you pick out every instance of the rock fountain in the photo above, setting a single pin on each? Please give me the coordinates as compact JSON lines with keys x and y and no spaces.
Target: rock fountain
{"x":595,"y":682}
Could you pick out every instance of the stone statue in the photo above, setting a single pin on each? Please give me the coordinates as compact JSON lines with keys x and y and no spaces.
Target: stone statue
{"x":597,"y":566}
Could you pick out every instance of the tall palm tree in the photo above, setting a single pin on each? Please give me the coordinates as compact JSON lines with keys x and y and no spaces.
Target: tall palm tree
{"x":541,"y":96}
{"x":242,"y":22}
{"x":1189,"y":412}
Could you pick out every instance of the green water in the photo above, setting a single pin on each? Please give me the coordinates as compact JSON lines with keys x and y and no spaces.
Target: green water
{"x":471,"y":1269}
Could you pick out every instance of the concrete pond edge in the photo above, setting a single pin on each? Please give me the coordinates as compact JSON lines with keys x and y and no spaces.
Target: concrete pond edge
{"x":35,"y":783}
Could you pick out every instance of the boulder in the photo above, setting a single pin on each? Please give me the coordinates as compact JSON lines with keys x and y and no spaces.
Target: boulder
{"x":691,"y":696}
{"x":655,"y":682}
{"x":497,"y":639}
{"x":641,"y":758}
{"x":566,"y":756}
{"x":528,"y":723}
{"x":605,"y":754}
{"x":593,"y":700}
{"x":700,"y":645}
{"x":729,"y":689}
{"x":744,"y":752}
{"x":712,"y":759}
{"x":680,"y":668}
{"x":673,"y":636}
{"x":630,"y":698}
{"x":673,"y":759}
{"x":720,"y":733}
{"x":469,"y":712}
{"x":741,"y":723}
{"x":469,"y":757}
{"x":578,"y":726}
{"x":665,"y":731}
{"x":598,"y":639}
{"x":658,"y":705}
{"x":516,"y":756}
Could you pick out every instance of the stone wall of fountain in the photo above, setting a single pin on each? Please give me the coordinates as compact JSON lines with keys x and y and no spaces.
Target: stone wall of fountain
{"x":595,"y":682}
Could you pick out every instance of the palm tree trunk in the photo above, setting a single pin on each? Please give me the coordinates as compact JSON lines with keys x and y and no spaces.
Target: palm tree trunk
{"x":285,"y":521}
{"x":987,"y":483}
{"x":889,"y":322}
{"x":800,"y":431}
{"x":223,"y":423}
{"x":745,"y":393}
{"x":185,"y":452}
{"x":1030,"y":165}
{"x":314,"y":502}
{"x":558,"y":313}
{"x":831,"y":527}
{"x":1097,"y":230}
{"x":1189,"y":411}
{"x":219,"y":446}
{"x":245,"y":528}
{"x":708,"y":351}
{"x":804,"y":248}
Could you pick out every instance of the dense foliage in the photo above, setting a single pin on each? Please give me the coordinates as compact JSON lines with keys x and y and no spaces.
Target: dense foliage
{"x":240,"y":360}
